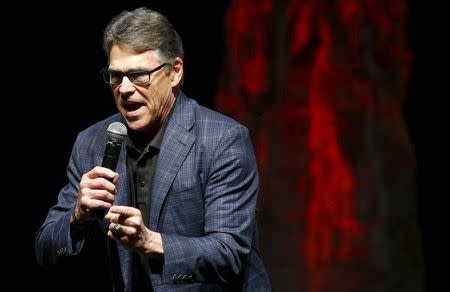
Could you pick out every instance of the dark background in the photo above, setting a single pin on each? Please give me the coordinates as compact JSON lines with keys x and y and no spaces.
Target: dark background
{"x":62,"y":55}
{"x":427,"y":120}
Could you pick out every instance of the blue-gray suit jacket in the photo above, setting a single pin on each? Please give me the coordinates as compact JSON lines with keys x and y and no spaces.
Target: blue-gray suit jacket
{"x":203,"y":204}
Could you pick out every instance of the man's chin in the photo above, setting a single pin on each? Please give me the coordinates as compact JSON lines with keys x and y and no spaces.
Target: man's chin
{"x":136,"y":125}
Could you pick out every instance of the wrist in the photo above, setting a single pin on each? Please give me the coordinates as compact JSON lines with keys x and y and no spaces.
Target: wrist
{"x":155,"y":245}
{"x":76,"y":220}
{"x":78,"y":227}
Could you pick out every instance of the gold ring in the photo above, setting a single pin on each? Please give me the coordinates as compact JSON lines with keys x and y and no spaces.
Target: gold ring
{"x":118,"y":227}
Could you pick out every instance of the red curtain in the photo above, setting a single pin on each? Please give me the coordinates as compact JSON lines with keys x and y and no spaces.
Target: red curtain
{"x":321,"y":86}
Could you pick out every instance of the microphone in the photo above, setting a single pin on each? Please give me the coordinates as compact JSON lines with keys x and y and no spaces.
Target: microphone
{"x":116,"y":133}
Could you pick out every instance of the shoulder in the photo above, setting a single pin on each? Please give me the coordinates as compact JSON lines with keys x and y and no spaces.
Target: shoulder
{"x":97,"y":131}
{"x":214,"y":130}
{"x":210,"y":120}
{"x":89,"y":145}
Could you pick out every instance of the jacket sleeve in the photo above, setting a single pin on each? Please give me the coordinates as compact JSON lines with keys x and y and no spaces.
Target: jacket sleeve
{"x":53,"y":242}
{"x":230,"y":202}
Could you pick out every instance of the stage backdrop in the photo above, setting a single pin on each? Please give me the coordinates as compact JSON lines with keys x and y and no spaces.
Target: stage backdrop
{"x":321,"y":85}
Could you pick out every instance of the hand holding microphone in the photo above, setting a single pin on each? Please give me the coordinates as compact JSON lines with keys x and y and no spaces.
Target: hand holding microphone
{"x":97,"y":187}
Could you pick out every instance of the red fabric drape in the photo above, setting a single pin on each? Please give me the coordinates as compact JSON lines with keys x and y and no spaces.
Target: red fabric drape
{"x":321,"y":86}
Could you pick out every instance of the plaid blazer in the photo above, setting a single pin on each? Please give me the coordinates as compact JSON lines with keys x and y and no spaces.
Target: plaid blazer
{"x":203,"y":203}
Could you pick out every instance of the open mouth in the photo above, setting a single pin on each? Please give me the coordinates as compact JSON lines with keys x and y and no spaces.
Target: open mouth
{"x":132,"y":107}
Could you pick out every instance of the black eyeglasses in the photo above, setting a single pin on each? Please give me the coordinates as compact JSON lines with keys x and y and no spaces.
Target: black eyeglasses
{"x":137,"y":77}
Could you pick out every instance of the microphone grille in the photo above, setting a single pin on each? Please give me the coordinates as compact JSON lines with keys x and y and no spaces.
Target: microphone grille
{"x":117,"y":130}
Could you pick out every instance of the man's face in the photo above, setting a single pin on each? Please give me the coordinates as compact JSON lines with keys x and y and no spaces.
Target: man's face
{"x":144,"y":105}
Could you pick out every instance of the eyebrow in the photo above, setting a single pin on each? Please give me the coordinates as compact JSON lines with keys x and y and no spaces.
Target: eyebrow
{"x":129,"y":70}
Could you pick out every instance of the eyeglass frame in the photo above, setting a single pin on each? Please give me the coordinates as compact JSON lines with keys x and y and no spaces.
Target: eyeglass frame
{"x":106,"y":73}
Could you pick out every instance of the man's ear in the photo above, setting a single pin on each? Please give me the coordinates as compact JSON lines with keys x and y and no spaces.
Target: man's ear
{"x":176,"y":74}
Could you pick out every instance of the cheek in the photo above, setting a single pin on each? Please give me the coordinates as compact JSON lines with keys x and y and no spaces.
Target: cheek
{"x":117,"y":103}
{"x":116,"y":95}
{"x":116,"y":98}
{"x":152,"y":99}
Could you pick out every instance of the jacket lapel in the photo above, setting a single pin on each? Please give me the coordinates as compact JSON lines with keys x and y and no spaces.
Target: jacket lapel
{"x":175,"y":146}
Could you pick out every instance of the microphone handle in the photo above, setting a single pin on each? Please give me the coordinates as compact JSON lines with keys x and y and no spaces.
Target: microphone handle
{"x":110,"y":159}
{"x":111,"y":155}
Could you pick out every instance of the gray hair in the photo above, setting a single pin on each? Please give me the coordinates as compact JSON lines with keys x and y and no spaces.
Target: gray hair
{"x":142,"y":30}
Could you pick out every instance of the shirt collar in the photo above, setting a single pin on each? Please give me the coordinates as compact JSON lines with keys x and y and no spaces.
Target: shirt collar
{"x":156,"y":140}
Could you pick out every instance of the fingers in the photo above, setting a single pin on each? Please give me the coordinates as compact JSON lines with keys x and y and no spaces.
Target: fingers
{"x":94,"y":199}
{"x":99,"y":178}
{"x":124,"y":215}
{"x":125,"y":211}
{"x":116,"y":218}
{"x":127,"y":226}
{"x":125,"y":223}
{"x":97,"y":191}
{"x":98,"y":183}
{"x":101,"y":195}
{"x":122,"y":232}
{"x":116,"y":178}
{"x":99,"y":171}
{"x":87,"y":203}
{"x":117,"y":228}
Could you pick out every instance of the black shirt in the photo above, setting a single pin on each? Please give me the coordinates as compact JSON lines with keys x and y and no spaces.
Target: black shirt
{"x":141,"y":164}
